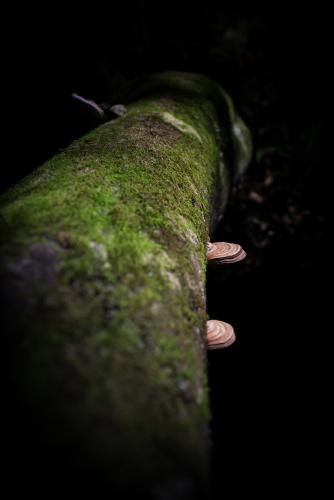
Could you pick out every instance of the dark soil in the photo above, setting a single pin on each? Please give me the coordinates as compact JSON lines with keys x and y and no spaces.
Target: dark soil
{"x":265,"y":390}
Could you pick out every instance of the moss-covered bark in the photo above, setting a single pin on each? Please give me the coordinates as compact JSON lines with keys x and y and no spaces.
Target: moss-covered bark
{"x":103,"y":266}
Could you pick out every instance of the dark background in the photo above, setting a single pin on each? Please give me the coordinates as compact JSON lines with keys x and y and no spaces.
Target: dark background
{"x":268,"y":390}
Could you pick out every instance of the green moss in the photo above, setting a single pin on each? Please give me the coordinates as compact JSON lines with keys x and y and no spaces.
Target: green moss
{"x":117,"y":314}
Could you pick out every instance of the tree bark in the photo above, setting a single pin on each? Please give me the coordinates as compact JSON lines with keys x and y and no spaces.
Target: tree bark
{"x":103,"y":271}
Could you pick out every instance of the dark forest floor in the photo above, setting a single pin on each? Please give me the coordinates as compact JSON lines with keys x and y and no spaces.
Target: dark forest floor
{"x":266,"y":387}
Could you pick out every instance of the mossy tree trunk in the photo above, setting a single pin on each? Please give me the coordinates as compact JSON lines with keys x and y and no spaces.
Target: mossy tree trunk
{"x":103,"y":267}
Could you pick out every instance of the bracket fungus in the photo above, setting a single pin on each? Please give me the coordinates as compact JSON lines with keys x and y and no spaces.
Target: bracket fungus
{"x":219,"y":334}
{"x":225,"y":253}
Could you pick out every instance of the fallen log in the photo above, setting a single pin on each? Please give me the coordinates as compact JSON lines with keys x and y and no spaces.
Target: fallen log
{"x":103,"y":273}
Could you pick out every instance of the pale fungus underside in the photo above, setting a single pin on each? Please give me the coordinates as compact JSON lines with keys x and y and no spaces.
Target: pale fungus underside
{"x":103,"y":263}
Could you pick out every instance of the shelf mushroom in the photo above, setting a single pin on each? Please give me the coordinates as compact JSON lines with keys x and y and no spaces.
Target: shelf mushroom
{"x":224,"y":253}
{"x":219,"y":334}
